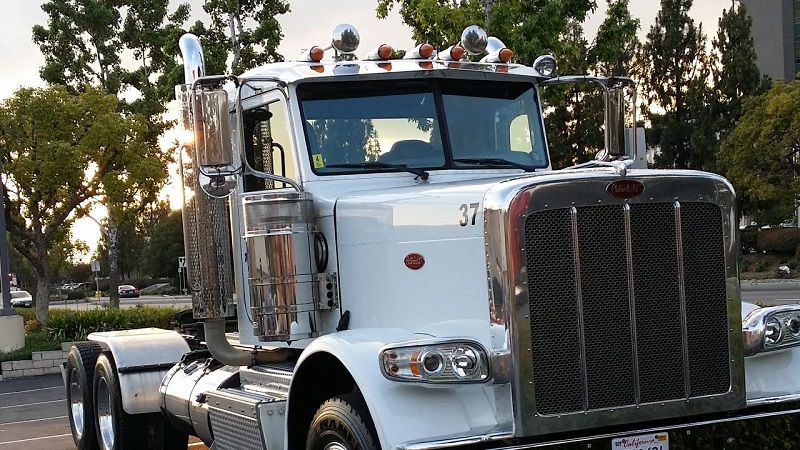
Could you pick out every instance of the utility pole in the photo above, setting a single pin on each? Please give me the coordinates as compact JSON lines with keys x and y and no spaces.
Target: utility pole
{"x":7,"y":310}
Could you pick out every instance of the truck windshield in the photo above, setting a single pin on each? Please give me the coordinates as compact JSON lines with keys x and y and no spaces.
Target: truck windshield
{"x":400,"y":122}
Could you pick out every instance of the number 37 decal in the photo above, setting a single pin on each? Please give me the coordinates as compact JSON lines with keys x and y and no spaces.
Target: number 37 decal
{"x":468,"y":213}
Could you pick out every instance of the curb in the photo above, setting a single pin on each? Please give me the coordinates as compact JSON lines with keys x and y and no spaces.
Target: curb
{"x":771,"y":285}
{"x":41,"y":363}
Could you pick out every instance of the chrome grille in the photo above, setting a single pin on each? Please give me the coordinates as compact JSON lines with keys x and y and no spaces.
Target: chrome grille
{"x":610,"y":323}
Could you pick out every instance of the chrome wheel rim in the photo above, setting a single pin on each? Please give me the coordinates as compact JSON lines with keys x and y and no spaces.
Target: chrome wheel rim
{"x":76,"y":402}
{"x":335,"y":446}
{"x":105,"y":419}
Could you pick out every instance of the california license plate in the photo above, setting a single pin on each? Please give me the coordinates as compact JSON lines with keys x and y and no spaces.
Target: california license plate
{"x":655,"y":441}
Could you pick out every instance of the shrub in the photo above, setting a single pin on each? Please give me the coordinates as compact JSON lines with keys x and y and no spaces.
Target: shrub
{"x":745,"y":264}
{"x":749,"y":240}
{"x":762,"y":266}
{"x":76,"y":295}
{"x":75,"y":326}
{"x":33,"y":326}
{"x":782,"y":241}
{"x":793,"y":265}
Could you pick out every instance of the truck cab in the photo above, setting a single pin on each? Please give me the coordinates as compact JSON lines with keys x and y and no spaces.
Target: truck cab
{"x":381,"y":256}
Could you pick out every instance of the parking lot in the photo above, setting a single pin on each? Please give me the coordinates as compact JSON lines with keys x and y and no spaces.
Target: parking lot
{"x":33,"y":415}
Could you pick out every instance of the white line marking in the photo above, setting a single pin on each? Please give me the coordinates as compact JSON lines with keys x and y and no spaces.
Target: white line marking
{"x":32,"y":390}
{"x":35,"y":439}
{"x":32,"y":420}
{"x":31,"y":404}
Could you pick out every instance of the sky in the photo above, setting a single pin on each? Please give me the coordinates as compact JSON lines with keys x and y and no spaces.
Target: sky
{"x":309,"y":23}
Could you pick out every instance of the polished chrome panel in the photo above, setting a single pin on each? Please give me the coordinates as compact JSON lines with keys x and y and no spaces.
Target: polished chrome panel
{"x":682,"y":296}
{"x":631,"y":299}
{"x":206,"y":229}
{"x":283,"y":280}
{"x":506,"y":205}
{"x":105,"y":415}
{"x":76,"y":402}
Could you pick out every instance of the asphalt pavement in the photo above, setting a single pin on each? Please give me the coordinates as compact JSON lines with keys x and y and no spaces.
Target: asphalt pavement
{"x":771,"y":292}
{"x":33,"y":415}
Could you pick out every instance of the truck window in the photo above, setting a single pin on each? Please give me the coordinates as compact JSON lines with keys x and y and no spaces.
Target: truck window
{"x":494,"y":120}
{"x":401,"y":122}
{"x":400,"y":129}
{"x":268,"y":144}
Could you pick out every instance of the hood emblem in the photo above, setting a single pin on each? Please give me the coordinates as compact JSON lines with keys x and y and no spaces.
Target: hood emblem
{"x":414,"y":261}
{"x":625,"y":188}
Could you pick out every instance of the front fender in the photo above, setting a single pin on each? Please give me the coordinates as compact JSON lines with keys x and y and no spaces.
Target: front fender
{"x":404,"y":412}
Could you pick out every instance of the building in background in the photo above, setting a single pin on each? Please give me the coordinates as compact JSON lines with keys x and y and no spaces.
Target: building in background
{"x":776,"y":32}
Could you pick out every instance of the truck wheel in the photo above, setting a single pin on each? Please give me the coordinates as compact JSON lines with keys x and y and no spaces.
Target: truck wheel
{"x":116,"y":429}
{"x":80,"y":376}
{"x":342,"y":423}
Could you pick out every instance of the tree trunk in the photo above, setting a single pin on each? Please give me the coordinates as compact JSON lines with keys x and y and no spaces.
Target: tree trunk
{"x":42,"y":300}
{"x":113,"y":266}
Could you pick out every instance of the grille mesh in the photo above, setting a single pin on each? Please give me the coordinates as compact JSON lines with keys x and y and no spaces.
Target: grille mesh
{"x":553,"y":312}
{"x":234,"y":432}
{"x":609,"y":358}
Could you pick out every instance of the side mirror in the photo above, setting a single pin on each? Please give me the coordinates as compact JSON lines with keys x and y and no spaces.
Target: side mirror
{"x":615,"y":121}
{"x":212,"y":128}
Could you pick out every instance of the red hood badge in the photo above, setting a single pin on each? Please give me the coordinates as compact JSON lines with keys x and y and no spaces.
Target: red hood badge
{"x":414,"y":261}
{"x":625,"y":188}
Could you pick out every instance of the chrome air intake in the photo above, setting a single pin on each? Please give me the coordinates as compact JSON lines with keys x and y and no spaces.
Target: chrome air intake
{"x":285,"y":288}
{"x":206,"y":222}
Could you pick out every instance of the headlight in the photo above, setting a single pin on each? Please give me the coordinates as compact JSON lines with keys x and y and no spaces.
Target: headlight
{"x":771,"y":328}
{"x":546,"y":66}
{"x":441,"y":362}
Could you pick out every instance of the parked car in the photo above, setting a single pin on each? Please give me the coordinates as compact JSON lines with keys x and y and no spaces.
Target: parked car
{"x":128,"y":291}
{"x":21,"y":298}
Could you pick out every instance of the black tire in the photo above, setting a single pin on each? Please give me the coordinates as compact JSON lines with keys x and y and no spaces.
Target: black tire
{"x":343,"y":420}
{"x":80,"y":398}
{"x":116,"y":429}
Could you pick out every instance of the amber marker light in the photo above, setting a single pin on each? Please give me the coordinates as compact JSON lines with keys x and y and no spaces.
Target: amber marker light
{"x":385,"y":51}
{"x":425,"y":51}
{"x":457,"y":52}
{"x":316,"y":53}
{"x":505,"y":55}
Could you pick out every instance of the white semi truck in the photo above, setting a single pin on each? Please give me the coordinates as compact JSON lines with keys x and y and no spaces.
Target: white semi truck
{"x":380,"y":256}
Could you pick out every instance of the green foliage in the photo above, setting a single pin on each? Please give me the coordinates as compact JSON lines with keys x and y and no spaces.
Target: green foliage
{"x":781,"y":241}
{"x":165,"y":245}
{"x":675,"y":72}
{"x":762,"y":266}
{"x":251,"y":46}
{"x":34,"y":342}
{"x":531,"y":28}
{"x":60,"y":152}
{"x":75,"y":326}
{"x":736,"y":76}
{"x":760,"y":155}
{"x":744,"y":264}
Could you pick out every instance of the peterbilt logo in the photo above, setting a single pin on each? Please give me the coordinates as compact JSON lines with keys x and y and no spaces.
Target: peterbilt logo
{"x":625,"y":188}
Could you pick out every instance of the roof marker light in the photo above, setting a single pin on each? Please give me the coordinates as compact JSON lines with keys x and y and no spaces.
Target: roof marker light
{"x":313,"y":54}
{"x":452,"y":53}
{"x":422,"y":51}
{"x":498,"y":52}
{"x":382,"y":52}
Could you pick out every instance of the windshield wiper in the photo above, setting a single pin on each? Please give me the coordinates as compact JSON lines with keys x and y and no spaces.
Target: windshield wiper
{"x":420,"y":173}
{"x":494,"y":162}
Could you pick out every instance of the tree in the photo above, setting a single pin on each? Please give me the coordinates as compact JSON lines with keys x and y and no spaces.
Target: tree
{"x":761,"y":155}
{"x":250,"y":47}
{"x":530,"y":27}
{"x":676,"y":74}
{"x":165,"y":245}
{"x":60,"y":151}
{"x":575,"y":118}
{"x":736,"y":76}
